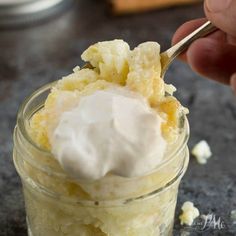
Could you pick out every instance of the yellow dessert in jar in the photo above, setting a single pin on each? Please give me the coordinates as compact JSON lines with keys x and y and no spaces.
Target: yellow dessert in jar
{"x":135,"y":193}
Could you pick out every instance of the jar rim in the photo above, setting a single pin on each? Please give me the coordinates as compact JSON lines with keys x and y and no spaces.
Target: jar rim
{"x":21,"y":126}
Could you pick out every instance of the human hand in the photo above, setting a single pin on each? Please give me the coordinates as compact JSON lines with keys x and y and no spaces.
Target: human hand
{"x":215,"y":55}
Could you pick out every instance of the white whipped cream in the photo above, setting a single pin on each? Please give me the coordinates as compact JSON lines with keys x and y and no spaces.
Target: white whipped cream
{"x":111,"y":131}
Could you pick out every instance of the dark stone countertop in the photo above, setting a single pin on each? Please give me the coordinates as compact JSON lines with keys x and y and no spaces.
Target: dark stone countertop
{"x":35,"y":55}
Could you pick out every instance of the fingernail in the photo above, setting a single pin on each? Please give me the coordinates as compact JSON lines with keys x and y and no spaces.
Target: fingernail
{"x":233,"y":82}
{"x":217,"y":5}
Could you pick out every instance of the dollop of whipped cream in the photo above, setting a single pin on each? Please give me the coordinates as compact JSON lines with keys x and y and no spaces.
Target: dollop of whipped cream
{"x":111,"y":131}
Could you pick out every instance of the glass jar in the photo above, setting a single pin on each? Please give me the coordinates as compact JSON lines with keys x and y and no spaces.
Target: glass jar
{"x":57,"y":205}
{"x":21,"y":12}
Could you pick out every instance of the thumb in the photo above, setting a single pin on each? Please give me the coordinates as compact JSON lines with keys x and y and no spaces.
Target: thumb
{"x":222,"y":13}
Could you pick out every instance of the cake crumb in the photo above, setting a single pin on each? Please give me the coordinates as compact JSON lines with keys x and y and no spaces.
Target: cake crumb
{"x":202,"y":152}
{"x":189,"y":213}
{"x":233,"y":216}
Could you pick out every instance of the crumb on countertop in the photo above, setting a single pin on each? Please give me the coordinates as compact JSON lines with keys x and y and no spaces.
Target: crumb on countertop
{"x":202,"y":152}
{"x":189,"y":213}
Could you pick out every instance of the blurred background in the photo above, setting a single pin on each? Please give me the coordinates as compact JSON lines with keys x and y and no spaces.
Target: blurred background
{"x":42,"y":40}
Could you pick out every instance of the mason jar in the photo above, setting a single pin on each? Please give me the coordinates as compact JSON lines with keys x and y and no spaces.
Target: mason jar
{"x":57,"y":205}
{"x":18,"y":12}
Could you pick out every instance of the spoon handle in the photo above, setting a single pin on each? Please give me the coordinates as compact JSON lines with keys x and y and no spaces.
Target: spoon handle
{"x":171,"y":53}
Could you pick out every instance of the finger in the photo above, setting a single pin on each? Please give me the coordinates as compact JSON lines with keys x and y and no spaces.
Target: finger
{"x":186,"y":29}
{"x":231,"y":40}
{"x":189,"y":27}
{"x":212,"y":59}
{"x":222,"y":13}
{"x":233,"y":82}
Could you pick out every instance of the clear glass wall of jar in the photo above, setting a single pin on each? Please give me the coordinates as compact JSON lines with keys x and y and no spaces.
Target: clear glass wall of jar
{"x":57,"y":205}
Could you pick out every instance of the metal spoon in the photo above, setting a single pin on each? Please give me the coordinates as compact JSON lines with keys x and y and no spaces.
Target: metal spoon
{"x":169,"y":55}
